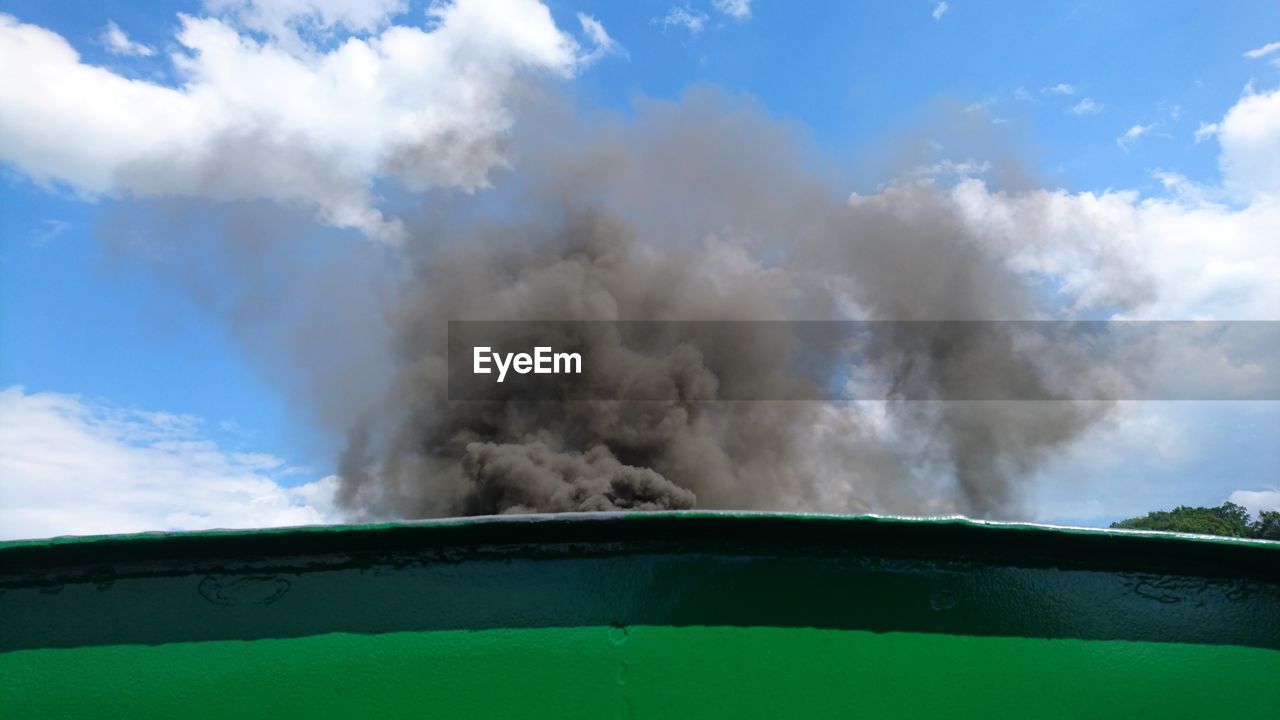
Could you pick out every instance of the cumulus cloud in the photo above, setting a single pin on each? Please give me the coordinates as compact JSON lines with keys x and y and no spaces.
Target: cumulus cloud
{"x":1135,"y":257}
{"x":74,"y":466}
{"x":736,"y":9}
{"x":1249,"y":136}
{"x":1149,"y":258}
{"x":939,"y":10}
{"x":258,"y":118}
{"x":1087,"y":106}
{"x":1059,"y":89}
{"x":118,"y":43}
{"x":1257,"y":500}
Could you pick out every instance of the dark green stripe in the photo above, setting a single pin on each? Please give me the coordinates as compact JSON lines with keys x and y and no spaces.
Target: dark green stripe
{"x":673,"y":570}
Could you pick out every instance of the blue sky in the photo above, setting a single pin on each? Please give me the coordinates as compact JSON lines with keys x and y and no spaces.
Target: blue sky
{"x":1058,"y":85}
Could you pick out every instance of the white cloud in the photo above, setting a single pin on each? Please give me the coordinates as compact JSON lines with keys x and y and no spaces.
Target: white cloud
{"x":1132,"y":134}
{"x":601,"y":43}
{"x":1059,"y":89}
{"x":950,"y":168}
{"x":69,"y":466}
{"x":118,"y":43}
{"x":736,"y":9}
{"x":283,"y":19}
{"x":939,"y":10}
{"x":1265,"y":50}
{"x":685,"y":18}
{"x":1250,"y":138}
{"x":1087,"y":106}
{"x":258,"y":119}
{"x":1205,"y":131}
{"x":1257,"y":500}
{"x":1140,"y":258}
{"x":1198,"y":252}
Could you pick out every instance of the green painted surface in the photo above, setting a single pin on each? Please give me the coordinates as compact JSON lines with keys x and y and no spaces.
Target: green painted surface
{"x":654,"y":672}
{"x":686,"y":615}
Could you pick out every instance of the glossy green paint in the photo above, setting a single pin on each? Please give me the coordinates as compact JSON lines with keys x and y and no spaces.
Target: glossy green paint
{"x":655,"y":672}
{"x":688,"y":615}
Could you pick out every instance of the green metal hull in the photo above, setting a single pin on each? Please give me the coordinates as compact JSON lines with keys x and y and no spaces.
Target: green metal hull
{"x":685,"y":615}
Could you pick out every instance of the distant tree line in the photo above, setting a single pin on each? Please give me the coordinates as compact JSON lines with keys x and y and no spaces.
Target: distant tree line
{"x":1228,"y":519}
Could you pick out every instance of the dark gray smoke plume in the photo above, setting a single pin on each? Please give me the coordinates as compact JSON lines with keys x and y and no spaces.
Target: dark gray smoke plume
{"x":699,"y":210}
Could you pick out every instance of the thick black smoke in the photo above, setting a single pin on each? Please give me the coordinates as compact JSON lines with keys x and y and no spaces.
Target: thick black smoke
{"x":701,"y":209}
{"x":704,"y":209}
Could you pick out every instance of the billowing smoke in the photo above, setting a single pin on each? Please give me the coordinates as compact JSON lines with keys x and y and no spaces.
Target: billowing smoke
{"x":704,"y":209}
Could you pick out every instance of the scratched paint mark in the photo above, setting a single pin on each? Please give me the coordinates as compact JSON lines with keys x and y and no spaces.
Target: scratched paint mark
{"x":1168,"y":590}
{"x":618,"y":634}
{"x":242,"y":591}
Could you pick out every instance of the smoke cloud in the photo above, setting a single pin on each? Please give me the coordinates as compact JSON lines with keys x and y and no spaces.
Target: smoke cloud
{"x":702,"y":209}
{"x":705,"y":208}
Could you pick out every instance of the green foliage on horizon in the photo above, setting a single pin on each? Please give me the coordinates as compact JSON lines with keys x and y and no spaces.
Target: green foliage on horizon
{"x":1268,"y":525}
{"x":1228,"y":520}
